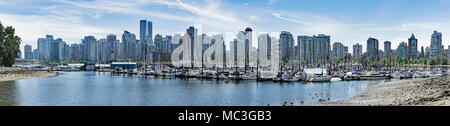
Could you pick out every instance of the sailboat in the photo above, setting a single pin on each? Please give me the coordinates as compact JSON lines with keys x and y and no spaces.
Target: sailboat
{"x":320,"y":78}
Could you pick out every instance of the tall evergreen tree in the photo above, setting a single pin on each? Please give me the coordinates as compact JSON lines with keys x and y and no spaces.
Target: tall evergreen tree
{"x":9,"y":45}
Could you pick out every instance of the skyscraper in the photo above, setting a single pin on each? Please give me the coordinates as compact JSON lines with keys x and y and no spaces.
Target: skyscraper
{"x":27,"y":52}
{"x":422,"y":52}
{"x":35,"y":54}
{"x":90,"y":48}
{"x":158,"y":43}
{"x":357,"y":50}
{"x":346,"y":51}
{"x":286,"y":46}
{"x":150,"y":32}
{"x":167,"y":46}
{"x":412,"y":47}
{"x":46,"y":47}
{"x":322,"y":48}
{"x":193,"y":32}
{"x":315,"y":49}
{"x":436,"y":44}
{"x":248,"y":44}
{"x":41,"y":48}
{"x":146,"y":31}
{"x":111,"y":48}
{"x":265,"y":46}
{"x":129,"y":46}
{"x":402,"y":50}
{"x":58,"y":50}
{"x":143,"y":30}
{"x":372,"y":48}
{"x":75,"y":52}
{"x":102,"y":50}
{"x":305,"y":48}
{"x":387,"y":49}
{"x":338,"y":51}
{"x":447,"y":52}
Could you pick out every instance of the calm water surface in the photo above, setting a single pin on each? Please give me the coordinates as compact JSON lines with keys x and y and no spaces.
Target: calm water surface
{"x":104,"y":89}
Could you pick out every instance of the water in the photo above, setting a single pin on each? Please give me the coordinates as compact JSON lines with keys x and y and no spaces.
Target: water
{"x":105,"y":89}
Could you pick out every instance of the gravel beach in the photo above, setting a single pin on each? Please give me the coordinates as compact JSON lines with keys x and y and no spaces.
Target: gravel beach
{"x":416,"y":92}
{"x":9,"y":74}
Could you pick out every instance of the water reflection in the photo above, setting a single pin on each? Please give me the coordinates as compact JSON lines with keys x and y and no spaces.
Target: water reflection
{"x":93,"y":88}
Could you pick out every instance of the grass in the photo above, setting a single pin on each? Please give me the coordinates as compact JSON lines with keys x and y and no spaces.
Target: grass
{"x":4,"y":104}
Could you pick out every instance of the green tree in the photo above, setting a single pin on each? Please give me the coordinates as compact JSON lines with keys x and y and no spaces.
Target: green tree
{"x":9,"y":45}
{"x":444,"y":61}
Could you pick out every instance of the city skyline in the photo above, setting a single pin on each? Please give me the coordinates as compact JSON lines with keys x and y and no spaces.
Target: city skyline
{"x":73,"y":20}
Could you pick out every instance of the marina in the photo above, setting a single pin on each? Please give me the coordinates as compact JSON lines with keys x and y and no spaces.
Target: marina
{"x":127,"y":83}
{"x":105,"y":88}
{"x":321,"y":74}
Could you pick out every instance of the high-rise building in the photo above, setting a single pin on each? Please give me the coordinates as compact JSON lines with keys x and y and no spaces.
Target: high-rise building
{"x":322,"y":48}
{"x":265,"y":47}
{"x":448,"y":52}
{"x":129,"y":46}
{"x":357,"y":50}
{"x":240,"y":50}
{"x":248,"y":44}
{"x":158,"y":43}
{"x":35,"y":54}
{"x":193,"y":32}
{"x":286,"y":46}
{"x":315,"y":49}
{"x":66,"y":52}
{"x":422,"y":52}
{"x":412,"y":47}
{"x":443,"y":52}
{"x":146,"y":31}
{"x":436,"y":44}
{"x":102,"y":50}
{"x":338,"y":51}
{"x":27,"y":52}
{"x":306,"y":49}
{"x":47,"y":48}
{"x":145,"y":43}
{"x":387,"y":49}
{"x":346,"y":51}
{"x":90,"y":49}
{"x":75,"y":52}
{"x":41,"y":48}
{"x":372,"y":48}
{"x":402,"y":50}
{"x":111,"y":48}
{"x":234,"y":53}
{"x":143,"y":30}
{"x":49,"y":45}
{"x":167,"y":42}
{"x":59,"y":51}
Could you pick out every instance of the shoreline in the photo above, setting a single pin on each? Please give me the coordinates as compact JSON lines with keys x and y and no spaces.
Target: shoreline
{"x":11,"y":74}
{"x":415,"y":92}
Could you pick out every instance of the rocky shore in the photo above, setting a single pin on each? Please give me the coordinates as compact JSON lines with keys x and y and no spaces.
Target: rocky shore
{"x":417,"y":92}
{"x":9,"y":74}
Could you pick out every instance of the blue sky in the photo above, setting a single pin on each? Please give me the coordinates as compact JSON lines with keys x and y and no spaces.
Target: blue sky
{"x":347,"y":21}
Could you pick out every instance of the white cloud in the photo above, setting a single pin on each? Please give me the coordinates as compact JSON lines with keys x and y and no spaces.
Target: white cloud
{"x":271,"y":2}
{"x":211,"y":14}
{"x":31,"y":27}
{"x":254,"y":18}
{"x":214,"y":16}
{"x":405,"y":27}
